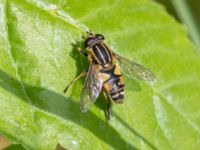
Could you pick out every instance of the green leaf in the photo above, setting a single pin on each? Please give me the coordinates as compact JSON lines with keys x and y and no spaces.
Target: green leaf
{"x":15,"y":147}
{"x":38,"y":61}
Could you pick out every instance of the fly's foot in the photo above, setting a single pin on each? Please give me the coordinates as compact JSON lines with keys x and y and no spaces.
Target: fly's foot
{"x":108,"y":112}
{"x":82,"y":52}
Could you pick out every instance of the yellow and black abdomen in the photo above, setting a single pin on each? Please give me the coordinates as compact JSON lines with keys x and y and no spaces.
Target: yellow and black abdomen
{"x":114,"y":83}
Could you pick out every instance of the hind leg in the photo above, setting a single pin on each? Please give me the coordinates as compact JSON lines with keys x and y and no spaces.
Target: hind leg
{"x":108,"y":111}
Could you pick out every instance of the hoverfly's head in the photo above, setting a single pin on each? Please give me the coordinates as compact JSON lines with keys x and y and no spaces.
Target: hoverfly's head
{"x":93,"y":39}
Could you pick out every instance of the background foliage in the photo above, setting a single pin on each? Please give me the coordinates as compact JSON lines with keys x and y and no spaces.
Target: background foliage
{"x":37,"y":61}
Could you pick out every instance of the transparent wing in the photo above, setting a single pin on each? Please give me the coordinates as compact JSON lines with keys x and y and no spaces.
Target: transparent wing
{"x":134,"y":70}
{"x":92,"y":88}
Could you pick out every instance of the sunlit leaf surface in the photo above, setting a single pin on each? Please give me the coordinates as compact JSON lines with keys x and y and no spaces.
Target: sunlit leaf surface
{"x":37,"y":61}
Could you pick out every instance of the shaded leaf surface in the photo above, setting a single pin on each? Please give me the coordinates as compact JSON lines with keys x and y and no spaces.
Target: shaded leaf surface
{"x":37,"y":61}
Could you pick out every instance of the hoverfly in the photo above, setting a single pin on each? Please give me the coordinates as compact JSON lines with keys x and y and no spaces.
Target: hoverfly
{"x":104,"y":74}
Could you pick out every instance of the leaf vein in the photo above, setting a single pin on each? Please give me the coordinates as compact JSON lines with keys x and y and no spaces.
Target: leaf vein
{"x":10,"y":53}
{"x":189,"y":121}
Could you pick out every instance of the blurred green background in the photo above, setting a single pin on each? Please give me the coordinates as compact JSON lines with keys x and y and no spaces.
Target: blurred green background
{"x":187,"y":12}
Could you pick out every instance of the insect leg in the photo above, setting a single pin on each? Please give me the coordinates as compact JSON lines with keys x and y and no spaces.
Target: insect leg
{"x":108,"y":112}
{"x":80,"y":50}
{"x":90,"y":32}
{"x":74,"y":80}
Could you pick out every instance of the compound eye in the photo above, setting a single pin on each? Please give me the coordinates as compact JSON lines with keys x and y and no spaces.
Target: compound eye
{"x":89,"y":42}
{"x":99,"y":36}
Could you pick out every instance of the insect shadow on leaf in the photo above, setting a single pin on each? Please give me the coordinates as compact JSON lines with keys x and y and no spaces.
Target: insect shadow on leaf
{"x":66,"y":108}
{"x":60,"y":147}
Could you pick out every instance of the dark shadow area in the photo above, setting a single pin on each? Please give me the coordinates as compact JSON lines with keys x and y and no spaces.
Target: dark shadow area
{"x":194,"y":8}
{"x":81,"y":60}
{"x":59,"y":105}
{"x":59,"y":147}
{"x":15,"y":147}
{"x":170,"y":8}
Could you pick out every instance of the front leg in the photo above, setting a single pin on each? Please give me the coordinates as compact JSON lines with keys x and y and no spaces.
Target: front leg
{"x":84,"y":73}
{"x":82,"y":52}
